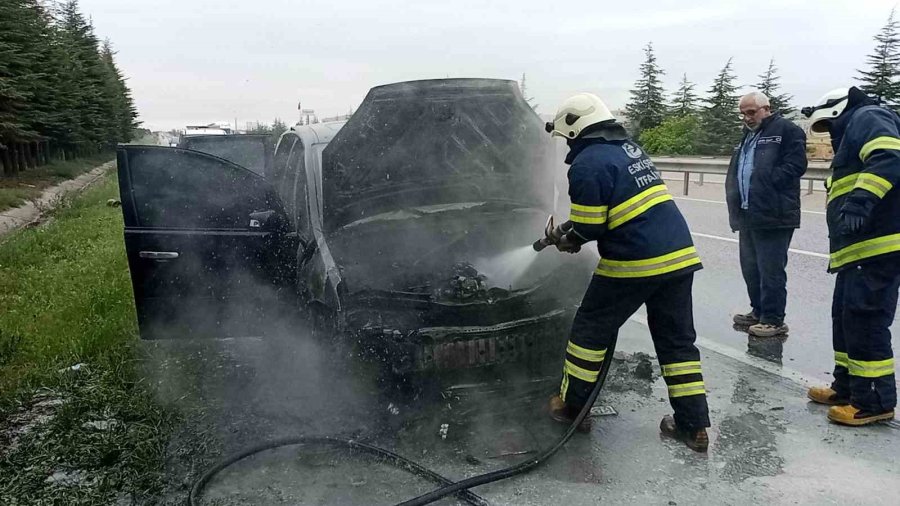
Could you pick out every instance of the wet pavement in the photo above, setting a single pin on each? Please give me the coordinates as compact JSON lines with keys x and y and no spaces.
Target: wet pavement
{"x":768,"y":443}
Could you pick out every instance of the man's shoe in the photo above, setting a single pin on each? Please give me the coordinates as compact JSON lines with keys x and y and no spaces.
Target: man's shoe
{"x":745,"y":320}
{"x":563,"y":413}
{"x":767,"y":330}
{"x":826,"y":396}
{"x":849,"y":415}
{"x":696,"y":440}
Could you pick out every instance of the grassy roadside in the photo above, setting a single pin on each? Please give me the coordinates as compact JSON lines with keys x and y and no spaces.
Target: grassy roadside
{"x":93,"y":435}
{"x":15,"y":191}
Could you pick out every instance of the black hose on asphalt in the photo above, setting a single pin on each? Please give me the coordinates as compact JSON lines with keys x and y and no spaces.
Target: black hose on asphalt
{"x":447,"y":487}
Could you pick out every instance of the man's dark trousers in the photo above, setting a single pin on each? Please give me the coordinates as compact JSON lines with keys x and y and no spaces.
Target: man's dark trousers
{"x":764,"y":254}
{"x":607,"y":305}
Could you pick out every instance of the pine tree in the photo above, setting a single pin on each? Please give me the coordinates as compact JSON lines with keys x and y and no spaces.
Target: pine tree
{"x":647,"y":107}
{"x":684,"y":101}
{"x":19,"y":73}
{"x":122,"y":122}
{"x":721,"y":127}
{"x":768,"y":85}
{"x":884,"y":65}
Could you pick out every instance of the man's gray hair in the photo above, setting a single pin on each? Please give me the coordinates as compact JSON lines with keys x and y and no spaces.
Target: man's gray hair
{"x":759,"y":98}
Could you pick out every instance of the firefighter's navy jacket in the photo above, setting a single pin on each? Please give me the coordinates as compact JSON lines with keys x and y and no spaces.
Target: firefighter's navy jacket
{"x":620,"y":201}
{"x":866,"y":167}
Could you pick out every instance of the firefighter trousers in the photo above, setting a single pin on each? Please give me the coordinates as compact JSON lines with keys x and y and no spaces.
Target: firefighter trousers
{"x":865,"y":300}
{"x":607,"y":304}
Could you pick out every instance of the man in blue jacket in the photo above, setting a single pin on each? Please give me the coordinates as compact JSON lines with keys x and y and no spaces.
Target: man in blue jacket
{"x":762,"y":190}
{"x":647,"y":256}
{"x":863,"y":215}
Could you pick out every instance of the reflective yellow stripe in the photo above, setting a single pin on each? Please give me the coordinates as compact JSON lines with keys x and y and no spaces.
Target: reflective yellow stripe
{"x":637,"y":205}
{"x":686,"y":389}
{"x":884,"y":142}
{"x":828,"y":183}
{"x":586,"y":354}
{"x":580,"y":373}
{"x":841,"y":186}
{"x":681,"y":368}
{"x":875,"y":184}
{"x":588,"y":214}
{"x":648,"y":267}
{"x":564,"y":386}
{"x":588,"y":209}
{"x":871,"y":368}
{"x":841,"y":359}
{"x":865,"y":249}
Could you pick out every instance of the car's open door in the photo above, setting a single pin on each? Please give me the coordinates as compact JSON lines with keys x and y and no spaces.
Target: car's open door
{"x":210,"y":249}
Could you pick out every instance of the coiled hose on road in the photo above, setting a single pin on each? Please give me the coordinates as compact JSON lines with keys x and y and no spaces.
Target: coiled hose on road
{"x":447,"y":487}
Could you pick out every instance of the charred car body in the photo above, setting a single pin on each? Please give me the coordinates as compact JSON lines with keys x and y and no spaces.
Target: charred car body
{"x":394,"y":230}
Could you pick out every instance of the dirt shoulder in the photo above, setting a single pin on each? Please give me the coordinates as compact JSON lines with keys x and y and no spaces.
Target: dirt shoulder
{"x":33,"y":203}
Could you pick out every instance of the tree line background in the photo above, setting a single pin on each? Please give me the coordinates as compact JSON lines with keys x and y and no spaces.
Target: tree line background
{"x":683,"y":123}
{"x":61,"y":94}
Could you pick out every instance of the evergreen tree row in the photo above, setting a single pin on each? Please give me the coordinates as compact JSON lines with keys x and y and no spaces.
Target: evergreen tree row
{"x":59,"y":85}
{"x":687,"y":124}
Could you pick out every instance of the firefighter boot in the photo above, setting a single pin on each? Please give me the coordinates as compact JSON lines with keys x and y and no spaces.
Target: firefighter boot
{"x":826,"y":396}
{"x":696,"y":440}
{"x":849,"y":415}
{"x":563,"y":413}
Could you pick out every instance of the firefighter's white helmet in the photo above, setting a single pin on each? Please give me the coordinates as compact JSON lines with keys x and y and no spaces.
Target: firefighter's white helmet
{"x":827,"y":108}
{"x":577,"y":113}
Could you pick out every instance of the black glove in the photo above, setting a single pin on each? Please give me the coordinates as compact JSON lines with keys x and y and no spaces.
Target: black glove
{"x":567,"y":245}
{"x":851,"y":223}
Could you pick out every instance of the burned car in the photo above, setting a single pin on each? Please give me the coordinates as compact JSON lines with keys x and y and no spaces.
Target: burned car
{"x":405,"y":232}
{"x":431,"y":195}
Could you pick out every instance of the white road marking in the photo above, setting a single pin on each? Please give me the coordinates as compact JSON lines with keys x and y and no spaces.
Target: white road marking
{"x":731,"y":239}
{"x":723,"y":203}
{"x":740,"y":356}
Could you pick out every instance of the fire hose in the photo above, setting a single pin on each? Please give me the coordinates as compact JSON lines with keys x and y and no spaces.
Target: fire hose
{"x":446,"y":486}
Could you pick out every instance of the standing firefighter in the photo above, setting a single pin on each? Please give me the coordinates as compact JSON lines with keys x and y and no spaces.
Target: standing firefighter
{"x":863,"y":217}
{"x":647,"y":257}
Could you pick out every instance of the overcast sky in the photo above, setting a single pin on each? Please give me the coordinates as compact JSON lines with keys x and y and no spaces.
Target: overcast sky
{"x":198,"y":61}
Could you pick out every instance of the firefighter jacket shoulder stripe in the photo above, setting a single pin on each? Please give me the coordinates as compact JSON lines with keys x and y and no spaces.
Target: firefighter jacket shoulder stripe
{"x":619,"y":200}
{"x":866,"y":168}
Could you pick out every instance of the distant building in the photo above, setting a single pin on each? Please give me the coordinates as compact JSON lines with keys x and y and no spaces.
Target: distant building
{"x":217,"y":128}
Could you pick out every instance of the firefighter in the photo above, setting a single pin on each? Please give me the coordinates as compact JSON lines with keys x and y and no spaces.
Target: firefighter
{"x":647,"y":257}
{"x":863,"y":215}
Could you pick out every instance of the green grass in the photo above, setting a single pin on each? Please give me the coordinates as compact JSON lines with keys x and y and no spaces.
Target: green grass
{"x":15,"y":191}
{"x":66,"y":298}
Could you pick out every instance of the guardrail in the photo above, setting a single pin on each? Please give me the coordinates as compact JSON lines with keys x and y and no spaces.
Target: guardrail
{"x":816,"y":171}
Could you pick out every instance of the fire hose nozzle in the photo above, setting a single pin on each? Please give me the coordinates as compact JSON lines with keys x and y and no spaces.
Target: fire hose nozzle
{"x":541,"y":243}
{"x":547,"y":240}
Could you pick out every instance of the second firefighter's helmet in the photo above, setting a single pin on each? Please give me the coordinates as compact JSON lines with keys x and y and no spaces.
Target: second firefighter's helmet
{"x":829,"y":107}
{"x":577,"y":113}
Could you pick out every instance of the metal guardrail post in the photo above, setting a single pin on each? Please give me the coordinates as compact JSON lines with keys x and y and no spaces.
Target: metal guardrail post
{"x":809,"y":188}
{"x":687,"y":181}
{"x":701,"y":178}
